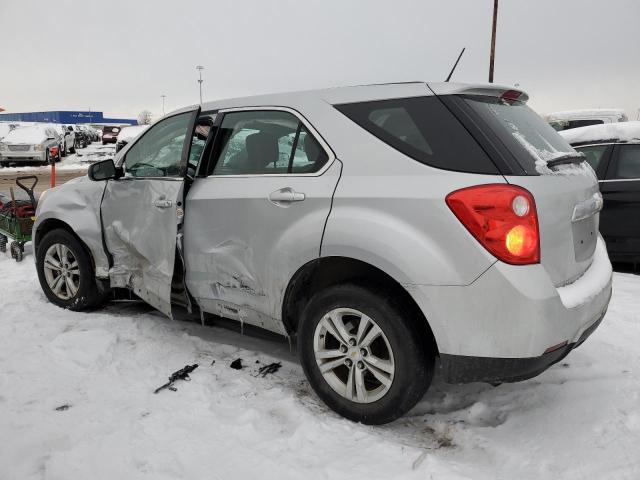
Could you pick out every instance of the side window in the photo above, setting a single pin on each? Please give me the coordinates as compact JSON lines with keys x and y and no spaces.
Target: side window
{"x":628,"y":164}
{"x":594,"y":154}
{"x":309,"y":156}
{"x":159,"y":152}
{"x":265,"y":142}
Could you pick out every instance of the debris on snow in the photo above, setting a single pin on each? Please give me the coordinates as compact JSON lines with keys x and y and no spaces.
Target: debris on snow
{"x":182,"y":374}
{"x":237,"y":364}
{"x":269,"y":369}
{"x":62,"y":408}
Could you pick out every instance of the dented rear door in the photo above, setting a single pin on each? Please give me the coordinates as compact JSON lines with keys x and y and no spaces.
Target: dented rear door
{"x":143,"y":211}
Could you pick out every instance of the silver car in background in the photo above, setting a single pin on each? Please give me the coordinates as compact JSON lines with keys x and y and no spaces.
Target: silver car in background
{"x":31,"y":143}
{"x":384,"y":227}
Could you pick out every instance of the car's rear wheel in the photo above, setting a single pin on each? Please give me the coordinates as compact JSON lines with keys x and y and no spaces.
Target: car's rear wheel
{"x":363,"y":354}
{"x":65,"y":271}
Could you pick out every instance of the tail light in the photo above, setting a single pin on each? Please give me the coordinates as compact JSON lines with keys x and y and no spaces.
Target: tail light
{"x":502,"y":218}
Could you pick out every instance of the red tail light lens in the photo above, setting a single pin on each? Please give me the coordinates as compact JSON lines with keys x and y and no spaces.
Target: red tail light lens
{"x":502,"y":218}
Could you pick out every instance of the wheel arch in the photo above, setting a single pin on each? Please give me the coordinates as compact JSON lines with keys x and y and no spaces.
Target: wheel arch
{"x":334,"y":270}
{"x":51,"y":224}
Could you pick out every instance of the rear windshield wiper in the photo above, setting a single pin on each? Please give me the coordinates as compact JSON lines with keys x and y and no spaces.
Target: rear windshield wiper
{"x":567,"y":159}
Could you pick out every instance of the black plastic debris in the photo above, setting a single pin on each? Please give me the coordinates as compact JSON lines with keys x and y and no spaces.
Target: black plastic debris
{"x":62,"y":408}
{"x":182,"y":374}
{"x":236,"y":364}
{"x":269,"y":369}
{"x":212,"y":362}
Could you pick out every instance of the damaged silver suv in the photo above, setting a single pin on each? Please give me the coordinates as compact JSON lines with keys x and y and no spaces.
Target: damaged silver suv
{"x":383,"y":226}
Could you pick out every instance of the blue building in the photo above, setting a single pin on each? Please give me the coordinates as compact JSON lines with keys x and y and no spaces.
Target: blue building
{"x":64,"y":116}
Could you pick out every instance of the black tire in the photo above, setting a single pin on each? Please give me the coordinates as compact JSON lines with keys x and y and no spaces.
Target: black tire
{"x":63,"y":150}
{"x":3,"y":243}
{"x":414,"y":365}
{"x":88,"y":294}
{"x":72,"y":149}
{"x":4,"y":164}
{"x":17,"y":251}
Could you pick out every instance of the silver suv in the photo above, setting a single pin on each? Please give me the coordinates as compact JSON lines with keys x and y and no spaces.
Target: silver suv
{"x":389,"y":228}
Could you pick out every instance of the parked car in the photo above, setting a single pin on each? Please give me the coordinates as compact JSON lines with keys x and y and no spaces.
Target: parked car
{"x":67,"y":138}
{"x":614,"y":153}
{"x":382,"y":226}
{"x":127,"y":134}
{"x":110,"y":134}
{"x":30,"y":143}
{"x":582,"y":118}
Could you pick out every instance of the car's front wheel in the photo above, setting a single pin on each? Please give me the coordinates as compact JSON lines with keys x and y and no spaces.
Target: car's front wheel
{"x":363,"y":354}
{"x":65,"y":271}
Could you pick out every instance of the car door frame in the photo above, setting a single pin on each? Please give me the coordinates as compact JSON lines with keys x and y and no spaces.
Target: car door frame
{"x":181,"y":177}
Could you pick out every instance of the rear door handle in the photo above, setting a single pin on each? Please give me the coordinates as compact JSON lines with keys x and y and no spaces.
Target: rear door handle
{"x":162,"y":203}
{"x":286,"y":195}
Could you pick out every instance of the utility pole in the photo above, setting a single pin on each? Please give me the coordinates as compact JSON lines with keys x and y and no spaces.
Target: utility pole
{"x":493,"y":40}
{"x":163,"y":97}
{"x":200,"y":68}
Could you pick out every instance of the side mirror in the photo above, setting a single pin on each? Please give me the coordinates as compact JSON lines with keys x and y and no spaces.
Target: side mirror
{"x":105,"y":170}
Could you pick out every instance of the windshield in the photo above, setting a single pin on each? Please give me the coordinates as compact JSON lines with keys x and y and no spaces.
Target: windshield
{"x":527,"y":136}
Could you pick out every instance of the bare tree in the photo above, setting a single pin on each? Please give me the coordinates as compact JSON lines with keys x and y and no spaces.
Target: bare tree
{"x":144,"y":117}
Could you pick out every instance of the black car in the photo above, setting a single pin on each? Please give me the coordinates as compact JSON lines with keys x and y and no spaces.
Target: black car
{"x":613,"y":150}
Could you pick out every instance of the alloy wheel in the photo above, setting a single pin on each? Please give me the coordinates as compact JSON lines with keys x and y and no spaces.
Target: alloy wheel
{"x":354,"y":355}
{"x":62,"y":271}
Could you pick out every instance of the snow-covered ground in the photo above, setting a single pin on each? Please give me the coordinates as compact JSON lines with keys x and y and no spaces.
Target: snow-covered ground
{"x":77,"y":402}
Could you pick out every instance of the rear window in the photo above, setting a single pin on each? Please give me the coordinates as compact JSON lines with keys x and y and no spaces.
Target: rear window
{"x":423,"y":129}
{"x":531,"y":140}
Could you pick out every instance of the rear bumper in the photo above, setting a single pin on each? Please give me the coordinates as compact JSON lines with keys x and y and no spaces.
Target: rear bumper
{"x":465,"y":369}
{"x":507,"y":319}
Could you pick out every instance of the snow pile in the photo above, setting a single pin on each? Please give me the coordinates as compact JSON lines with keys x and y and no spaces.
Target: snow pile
{"x":585,"y":113}
{"x":30,"y":135}
{"x":617,"y":132}
{"x":594,"y":280}
{"x":77,"y":402}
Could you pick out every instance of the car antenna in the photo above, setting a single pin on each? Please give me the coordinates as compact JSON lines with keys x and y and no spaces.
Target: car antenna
{"x":455,"y":64}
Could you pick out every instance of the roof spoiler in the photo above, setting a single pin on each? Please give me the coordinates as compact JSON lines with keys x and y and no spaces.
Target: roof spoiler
{"x":509,"y":93}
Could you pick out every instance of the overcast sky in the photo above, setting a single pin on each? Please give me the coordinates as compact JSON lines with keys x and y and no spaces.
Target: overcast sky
{"x":120,"y":56}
